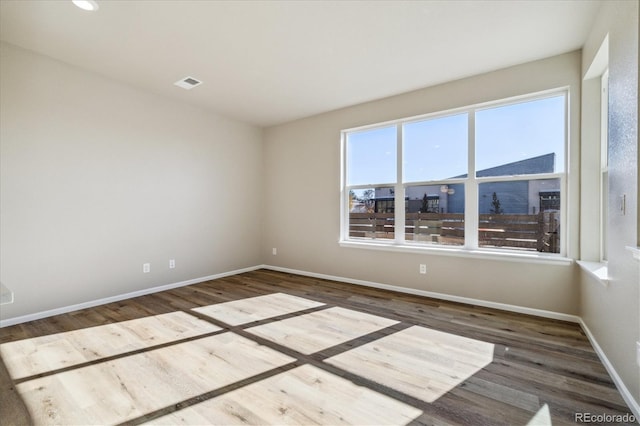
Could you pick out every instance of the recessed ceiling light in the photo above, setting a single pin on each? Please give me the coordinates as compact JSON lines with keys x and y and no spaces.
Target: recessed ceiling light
{"x":89,"y":5}
{"x":188,"y":83}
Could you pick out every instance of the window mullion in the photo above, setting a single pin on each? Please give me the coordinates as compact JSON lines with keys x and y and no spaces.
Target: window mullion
{"x":399,"y":211}
{"x":471,"y":218}
{"x":344,"y":194}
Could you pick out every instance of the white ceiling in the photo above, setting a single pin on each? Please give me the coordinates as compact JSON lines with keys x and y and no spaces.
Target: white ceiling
{"x":268,"y":62}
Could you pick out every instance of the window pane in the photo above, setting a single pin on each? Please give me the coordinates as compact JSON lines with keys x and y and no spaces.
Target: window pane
{"x":435,"y":149}
{"x":521,"y":215}
{"x":524,"y":138}
{"x":371,"y":156}
{"x":371,"y":213}
{"x":435,"y":214}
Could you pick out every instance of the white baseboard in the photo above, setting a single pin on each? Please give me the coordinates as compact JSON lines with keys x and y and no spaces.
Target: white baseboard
{"x":624,"y":391}
{"x":441,"y":296}
{"x":90,"y":304}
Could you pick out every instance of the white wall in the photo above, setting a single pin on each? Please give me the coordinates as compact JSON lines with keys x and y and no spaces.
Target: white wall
{"x":613,"y":313}
{"x":302,"y":186}
{"x":98,"y":178}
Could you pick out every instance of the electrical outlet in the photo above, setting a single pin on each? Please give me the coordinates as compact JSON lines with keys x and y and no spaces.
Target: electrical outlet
{"x":423,"y":268}
{"x":638,"y":353}
{"x":146,"y":268}
{"x":172,"y":263}
{"x":274,"y":251}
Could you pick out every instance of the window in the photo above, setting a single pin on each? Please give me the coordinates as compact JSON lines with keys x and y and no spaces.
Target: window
{"x":488,"y":177}
{"x":434,"y":163}
{"x":370,"y":175}
{"x":594,"y":180}
{"x":516,"y":145}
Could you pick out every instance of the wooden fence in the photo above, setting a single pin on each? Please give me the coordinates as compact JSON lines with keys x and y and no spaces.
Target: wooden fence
{"x":537,"y":232}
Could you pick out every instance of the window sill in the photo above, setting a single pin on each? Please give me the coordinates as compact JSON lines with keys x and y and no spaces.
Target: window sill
{"x":635,"y":252}
{"x":597,"y":270}
{"x":462,"y":252}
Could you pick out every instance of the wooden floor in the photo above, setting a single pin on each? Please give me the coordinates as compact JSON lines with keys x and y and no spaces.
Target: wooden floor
{"x":266,"y":347}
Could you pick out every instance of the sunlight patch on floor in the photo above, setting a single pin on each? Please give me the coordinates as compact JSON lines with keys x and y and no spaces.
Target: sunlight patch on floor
{"x":542,"y":417}
{"x":38,"y":355}
{"x":320,"y":330}
{"x":302,"y":396}
{"x":252,"y":309}
{"x":418,"y":361}
{"x":126,"y":388}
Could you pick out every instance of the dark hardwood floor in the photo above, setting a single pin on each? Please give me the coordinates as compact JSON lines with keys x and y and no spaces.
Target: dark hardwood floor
{"x":540,"y":368}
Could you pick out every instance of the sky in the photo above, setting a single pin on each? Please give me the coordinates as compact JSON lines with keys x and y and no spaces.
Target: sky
{"x":436,"y":148}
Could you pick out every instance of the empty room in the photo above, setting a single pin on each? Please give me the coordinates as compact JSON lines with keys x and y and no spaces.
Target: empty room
{"x":319,"y":212}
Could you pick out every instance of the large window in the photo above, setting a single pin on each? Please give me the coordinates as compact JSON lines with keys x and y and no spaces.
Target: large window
{"x":486,"y":177}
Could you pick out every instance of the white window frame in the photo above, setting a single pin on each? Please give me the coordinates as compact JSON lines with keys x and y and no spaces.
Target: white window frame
{"x":594,"y":154}
{"x":471,"y":182}
{"x":604,"y":164}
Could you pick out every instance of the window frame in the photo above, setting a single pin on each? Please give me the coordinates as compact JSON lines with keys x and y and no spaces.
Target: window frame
{"x":471,"y":184}
{"x":604,"y":165}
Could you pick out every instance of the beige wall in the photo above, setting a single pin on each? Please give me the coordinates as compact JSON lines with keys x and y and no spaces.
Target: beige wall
{"x":98,"y":178}
{"x":613,"y":313}
{"x":302,"y":186}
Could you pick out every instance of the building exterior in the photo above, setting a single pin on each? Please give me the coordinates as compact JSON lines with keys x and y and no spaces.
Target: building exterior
{"x":514,"y":197}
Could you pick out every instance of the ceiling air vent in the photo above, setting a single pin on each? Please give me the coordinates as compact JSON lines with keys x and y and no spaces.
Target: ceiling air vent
{"x":188,"y":83}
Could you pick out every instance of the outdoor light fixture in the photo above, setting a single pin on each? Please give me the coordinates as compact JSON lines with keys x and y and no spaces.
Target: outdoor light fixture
{"x":446,"y":190}
{"x":89,"y":5}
